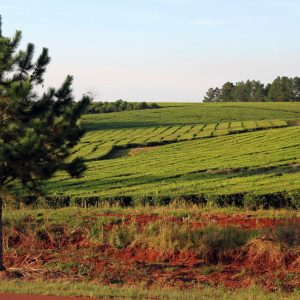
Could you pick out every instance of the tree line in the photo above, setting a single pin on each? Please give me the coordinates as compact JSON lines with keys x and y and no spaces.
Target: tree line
{"x":281,"y":89}
{"x":119,"y":105}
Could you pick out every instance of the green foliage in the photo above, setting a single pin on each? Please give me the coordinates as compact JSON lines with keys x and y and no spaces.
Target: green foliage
{"x":281,"y":89}
{"x":36,"y":132}
{"x":117,"y":106}
{"x":249,"y":91}
{"x":213,"y":95}
{"x":255,"y":169}
{"x":227,"y":91}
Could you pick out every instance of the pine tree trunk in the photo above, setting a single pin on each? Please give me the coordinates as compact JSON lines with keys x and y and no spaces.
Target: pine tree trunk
{"x":2,"y":268}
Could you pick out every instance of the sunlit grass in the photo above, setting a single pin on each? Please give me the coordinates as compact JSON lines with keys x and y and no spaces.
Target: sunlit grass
{"x":139,"y":291}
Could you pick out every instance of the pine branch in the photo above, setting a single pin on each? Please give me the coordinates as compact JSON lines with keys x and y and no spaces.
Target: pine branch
{"x":0,"y":26}
{"x":40,"y":67}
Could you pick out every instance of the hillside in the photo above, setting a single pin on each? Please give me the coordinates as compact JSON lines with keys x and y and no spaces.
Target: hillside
{"x":159,"y":163}
{"x":194,"y":113}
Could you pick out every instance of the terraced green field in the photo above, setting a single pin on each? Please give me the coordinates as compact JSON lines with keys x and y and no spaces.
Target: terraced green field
{"x":240,"y":156}
{"x":264,"y":162}
{"x":197,"y":113}
{"x":98,"y":144}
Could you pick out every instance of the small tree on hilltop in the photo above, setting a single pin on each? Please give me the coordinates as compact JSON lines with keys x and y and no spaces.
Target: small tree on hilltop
{"x":36,"y":132}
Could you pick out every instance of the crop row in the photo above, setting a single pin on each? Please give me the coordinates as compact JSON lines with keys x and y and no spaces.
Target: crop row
{"x":97,"y":144}
{"x":256,"y":162}
{"x":252,"y":201}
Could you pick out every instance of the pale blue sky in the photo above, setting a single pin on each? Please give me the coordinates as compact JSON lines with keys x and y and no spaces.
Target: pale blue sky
{"x":159,"y":50}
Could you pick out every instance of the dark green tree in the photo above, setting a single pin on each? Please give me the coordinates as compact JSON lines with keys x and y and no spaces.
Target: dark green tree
{"x":257,"y":91}
{"x":227,"y":92}
{"x":297,"y":88}
{"x":213,"y":95}
{"x":241,"y":91}
{"x":249,"y":91}
{"x":210,"y":95}
{"x":282,"y":89}
{"x":36,"y":132}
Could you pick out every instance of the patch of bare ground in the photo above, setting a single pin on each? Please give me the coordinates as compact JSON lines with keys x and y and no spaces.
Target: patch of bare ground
{"x":136,"y":151}
{"x":128,"y":152}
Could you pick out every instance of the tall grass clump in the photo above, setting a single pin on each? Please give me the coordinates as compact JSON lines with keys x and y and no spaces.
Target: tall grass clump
{"x":211,"y":243}
{"x":288,"y":234}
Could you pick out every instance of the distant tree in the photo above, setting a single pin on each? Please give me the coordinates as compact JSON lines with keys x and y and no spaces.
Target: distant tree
{"x":227,"y":92}
{"x":36,"y":132}
{"x":296,"y":88}
{"x":154,"y":105}
{"x":282,"y":89}
{"x":241,"y":91}
{"x":213,"y":95}
{"x":210,"y":95}
{"x":266,"y":91}
{"x":143,"y":105}
{"x":117,"y":106}
{"x":257,"y":91}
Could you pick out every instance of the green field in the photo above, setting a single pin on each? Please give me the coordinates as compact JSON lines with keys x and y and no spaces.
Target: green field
{"x":98,"y":143}
{"x":250,"y":149}
{"x":190,"y":114}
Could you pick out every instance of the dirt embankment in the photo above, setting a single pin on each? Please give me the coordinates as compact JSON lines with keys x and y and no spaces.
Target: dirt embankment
{"x":262,"y":260}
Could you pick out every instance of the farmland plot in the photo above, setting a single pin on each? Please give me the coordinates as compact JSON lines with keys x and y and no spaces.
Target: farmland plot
{"x":98,"y":143}
{"x":260,"y":162}
{"x":194,"y":113}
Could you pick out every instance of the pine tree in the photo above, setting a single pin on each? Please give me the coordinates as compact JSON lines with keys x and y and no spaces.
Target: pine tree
{"x":36,"y":132}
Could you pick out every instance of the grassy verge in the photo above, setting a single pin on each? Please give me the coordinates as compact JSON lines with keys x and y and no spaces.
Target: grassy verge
{"x":136,"y":292}
{"x":174,"y":209}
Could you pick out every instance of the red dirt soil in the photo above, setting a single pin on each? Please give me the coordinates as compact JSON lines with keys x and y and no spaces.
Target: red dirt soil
{"x":260,"y":262}
{"x":40,"y":297}
{"x":136,"y":151}
{"x":242,"y":220}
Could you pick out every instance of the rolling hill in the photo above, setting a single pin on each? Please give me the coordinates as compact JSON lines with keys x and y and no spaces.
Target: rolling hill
{"x":176,"y":153}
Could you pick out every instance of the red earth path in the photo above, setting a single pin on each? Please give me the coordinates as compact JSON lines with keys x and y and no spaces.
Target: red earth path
{"x":39,"y":297}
